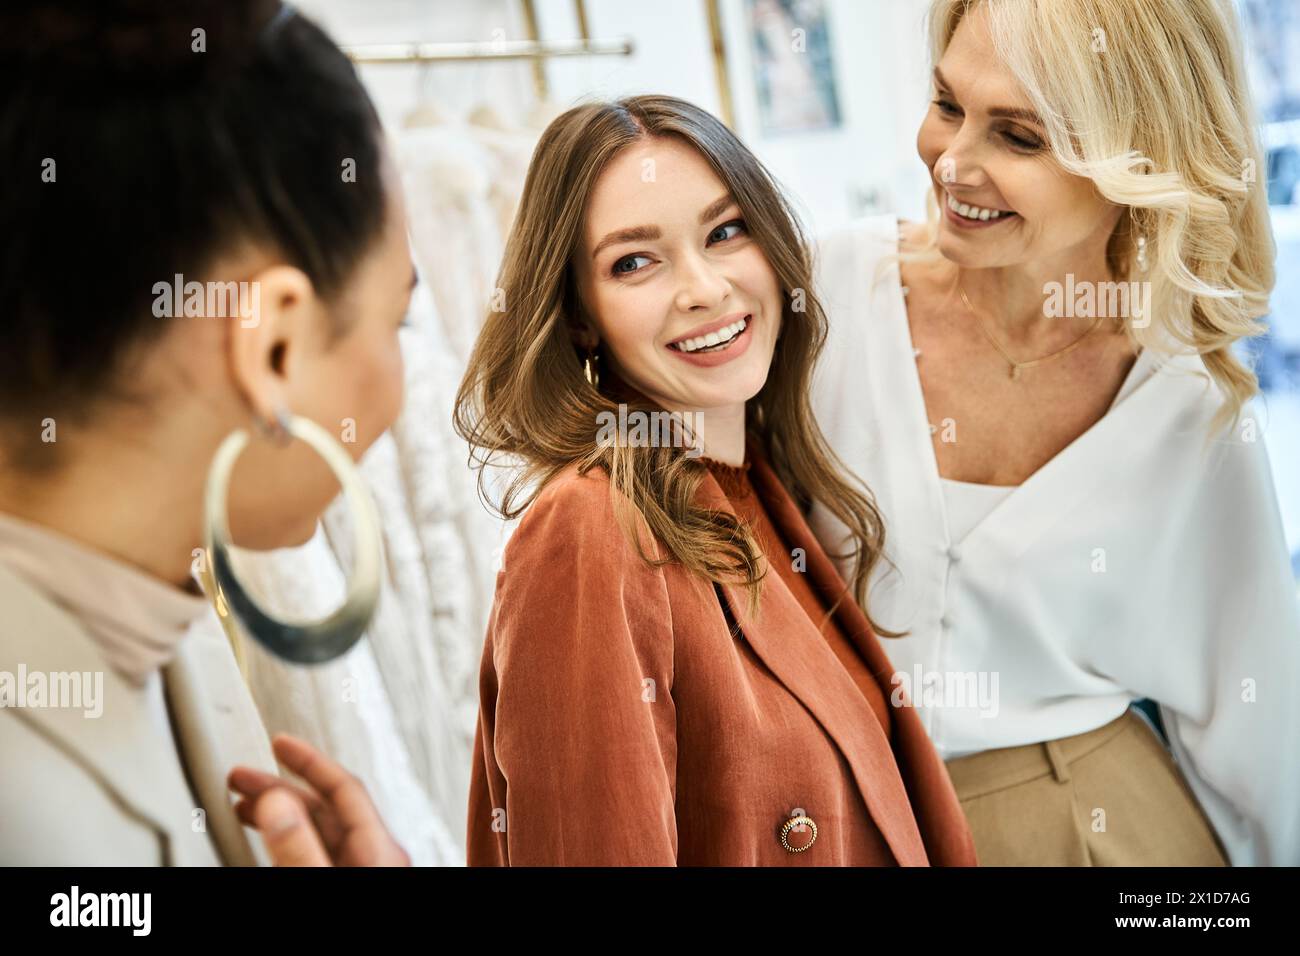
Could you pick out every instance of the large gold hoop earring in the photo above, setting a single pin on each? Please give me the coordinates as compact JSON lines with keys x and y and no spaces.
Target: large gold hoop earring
{"x":309,"y":642}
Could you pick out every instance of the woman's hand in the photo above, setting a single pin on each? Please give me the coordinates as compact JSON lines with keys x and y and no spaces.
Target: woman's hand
{"x":331,"y":822}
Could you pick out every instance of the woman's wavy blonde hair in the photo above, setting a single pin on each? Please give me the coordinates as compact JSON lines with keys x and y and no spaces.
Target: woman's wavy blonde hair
{"x":1149,"y":100}
{"x":525,"y":395}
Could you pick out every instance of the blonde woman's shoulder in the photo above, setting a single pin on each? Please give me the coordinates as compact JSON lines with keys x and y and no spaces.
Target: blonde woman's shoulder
{"x":844,"y":246}
{"x":912,"y":235}
{"x":851,"y":262}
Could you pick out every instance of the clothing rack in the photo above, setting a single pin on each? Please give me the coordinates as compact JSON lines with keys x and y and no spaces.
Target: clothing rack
{"x":485,"y":50}
{"x":534,"y":48}
{"x":538,"y":50}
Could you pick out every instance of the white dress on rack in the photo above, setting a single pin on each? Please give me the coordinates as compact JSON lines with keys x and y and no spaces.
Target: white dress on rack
{"x":456,"y":212}
{"x":1145,"y":560}
{"x":401,"y":709}
{"x":343,"y":707}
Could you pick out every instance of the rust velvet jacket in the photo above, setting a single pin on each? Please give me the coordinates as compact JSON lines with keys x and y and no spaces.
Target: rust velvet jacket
{"x":623,"y":720}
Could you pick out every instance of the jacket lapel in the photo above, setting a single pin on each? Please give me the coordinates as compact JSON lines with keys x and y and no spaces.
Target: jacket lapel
{"x":933,"y":801}
{"x":828,"y":692}
{"x":217,"y":727}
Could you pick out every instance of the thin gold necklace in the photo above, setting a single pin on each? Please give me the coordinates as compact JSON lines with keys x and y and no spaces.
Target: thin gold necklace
{"x":1017,"y":366}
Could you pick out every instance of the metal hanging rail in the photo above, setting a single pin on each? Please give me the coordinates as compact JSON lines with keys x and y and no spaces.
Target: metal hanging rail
{"x":485,"y":50}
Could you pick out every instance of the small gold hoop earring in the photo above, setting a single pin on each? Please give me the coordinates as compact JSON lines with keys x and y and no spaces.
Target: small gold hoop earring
{"x":591,"y":369}
{"x":310,"y":642}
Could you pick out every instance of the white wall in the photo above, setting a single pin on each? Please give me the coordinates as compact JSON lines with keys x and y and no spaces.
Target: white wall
{"x":870,"y":163}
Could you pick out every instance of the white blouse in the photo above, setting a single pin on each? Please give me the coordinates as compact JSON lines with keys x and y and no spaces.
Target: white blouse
{"x":1145,"y":560}
{"x":968,"y":503}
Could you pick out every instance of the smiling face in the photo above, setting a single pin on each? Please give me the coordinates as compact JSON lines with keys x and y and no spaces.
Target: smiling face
{"x":1003,"y":199}
{"x":684,"y":303}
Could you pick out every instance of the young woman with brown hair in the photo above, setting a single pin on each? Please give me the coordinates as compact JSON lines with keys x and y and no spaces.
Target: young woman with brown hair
{"x":674,"y":673}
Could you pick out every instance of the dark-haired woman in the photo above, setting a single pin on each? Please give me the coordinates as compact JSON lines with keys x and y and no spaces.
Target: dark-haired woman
{"x":135,"y":162}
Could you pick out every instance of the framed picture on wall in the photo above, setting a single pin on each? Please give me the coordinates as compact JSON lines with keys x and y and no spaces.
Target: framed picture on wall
{"x":793,"y":70}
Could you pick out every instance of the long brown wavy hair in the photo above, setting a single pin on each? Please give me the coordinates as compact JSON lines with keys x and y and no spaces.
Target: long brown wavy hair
{"x":525,"y":395}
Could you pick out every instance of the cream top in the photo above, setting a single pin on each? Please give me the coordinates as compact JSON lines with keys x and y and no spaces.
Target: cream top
{"x":969,"y":503}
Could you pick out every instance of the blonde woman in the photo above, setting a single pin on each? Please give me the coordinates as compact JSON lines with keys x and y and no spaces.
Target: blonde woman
{"x":674,"y":673}
{"x":1039,"y":386}
{"x":101,"y":516}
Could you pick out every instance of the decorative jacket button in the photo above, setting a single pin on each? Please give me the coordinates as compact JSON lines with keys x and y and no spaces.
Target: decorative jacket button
{"x":954,"y":553}
{"x":798,"y":834}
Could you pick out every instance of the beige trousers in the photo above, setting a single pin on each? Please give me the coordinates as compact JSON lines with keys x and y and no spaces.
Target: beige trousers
{"x":1109,"y":797}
